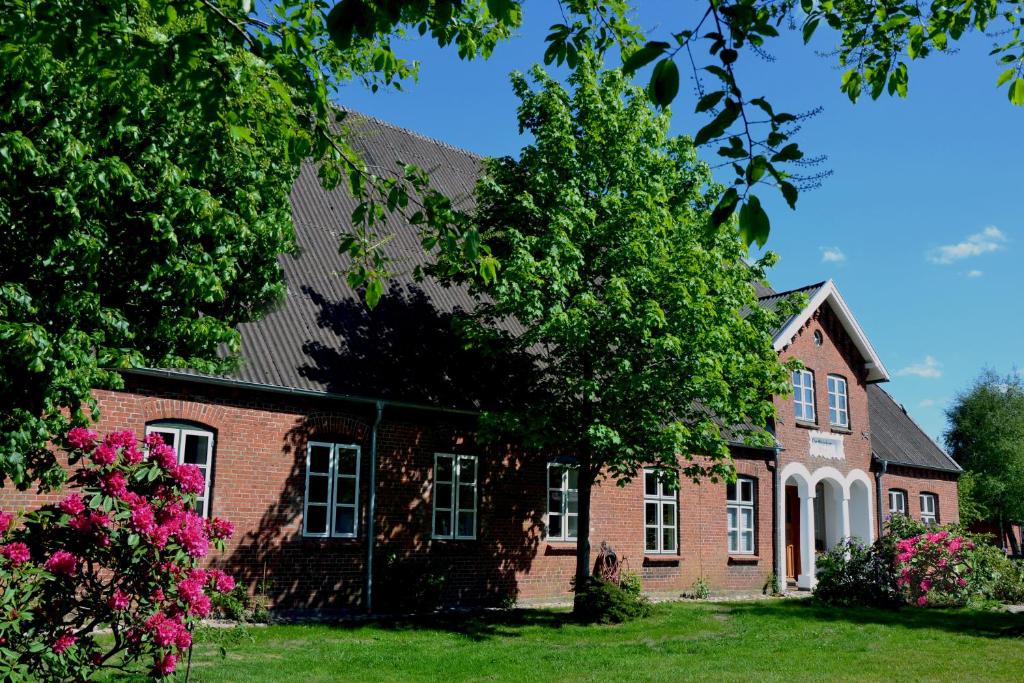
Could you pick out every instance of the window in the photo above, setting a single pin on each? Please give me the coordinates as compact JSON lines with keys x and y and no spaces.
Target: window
{"x":803,"y":395}
{"x":929,"y":508}
{"x":194,"y":446}
{"x":897,"y":502}
{"x":332,"y":490}
{"x":838,"y":413}
{"x":740,"y":516}
{"x":660,"y":513}
{"x":563,"y":501}
{"x":454,"y":496}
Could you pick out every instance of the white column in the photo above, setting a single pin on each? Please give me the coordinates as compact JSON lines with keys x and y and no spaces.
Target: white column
{"x":807,"y":570}
{"x":780,"y":539}
{"x":846,"y":516}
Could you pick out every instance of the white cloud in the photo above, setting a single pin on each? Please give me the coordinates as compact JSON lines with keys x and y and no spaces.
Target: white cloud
{"x":927,"y":403}
{"x":929,"y":369}
{"x":832,"y":255}
{"x":989,"y":239}
{"x":975,"y":273}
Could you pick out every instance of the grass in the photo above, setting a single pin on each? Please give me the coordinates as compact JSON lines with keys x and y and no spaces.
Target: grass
{"x":786,"y":640}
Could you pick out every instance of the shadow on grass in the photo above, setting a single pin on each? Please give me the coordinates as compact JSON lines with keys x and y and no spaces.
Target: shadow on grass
{"x":969,"y":622}
{"x":478,"y":626}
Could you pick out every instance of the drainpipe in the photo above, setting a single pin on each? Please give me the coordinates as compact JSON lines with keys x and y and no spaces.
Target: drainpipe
{"x":878,"y":497}
{"x":777,"y":567}
{"x":371,"y":509}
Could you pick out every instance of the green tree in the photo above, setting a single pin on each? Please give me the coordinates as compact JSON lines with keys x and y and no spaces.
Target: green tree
{"x":147,"y":152}
{"x":641,"y":320}
{"x":986,"y":436}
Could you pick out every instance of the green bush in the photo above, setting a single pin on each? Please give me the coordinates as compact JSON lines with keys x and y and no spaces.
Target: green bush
{"x":853,"y":574}
{"x":604,"y":602}
{"x":239,"y":606}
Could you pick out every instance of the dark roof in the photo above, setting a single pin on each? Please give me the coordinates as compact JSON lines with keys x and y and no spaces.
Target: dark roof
{"x":897,"y":439}
{"x":771,"y":300}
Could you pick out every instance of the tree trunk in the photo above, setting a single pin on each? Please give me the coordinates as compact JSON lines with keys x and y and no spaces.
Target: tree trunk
{"x":1014,"y":547}
{"x":586,"y":485}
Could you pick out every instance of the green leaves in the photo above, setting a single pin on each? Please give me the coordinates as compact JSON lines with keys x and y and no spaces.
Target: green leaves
{"x":754,"y":223}
{"x":716,"y":129}
{"x":664,"y":83}
{"x":1016,"y":92}
{"x":644,"y":56}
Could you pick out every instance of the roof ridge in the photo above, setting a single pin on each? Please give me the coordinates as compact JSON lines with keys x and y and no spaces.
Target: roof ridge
{"x":408,"y":131}
{"x":795,"y":289}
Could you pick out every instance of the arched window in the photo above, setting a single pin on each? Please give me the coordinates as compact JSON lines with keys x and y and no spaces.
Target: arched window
{"x":194,"y":445}
{"x":929,"y":508}
{"x":838,"y":408}
{"x":897,"y":502}
{"x":803,"y":395}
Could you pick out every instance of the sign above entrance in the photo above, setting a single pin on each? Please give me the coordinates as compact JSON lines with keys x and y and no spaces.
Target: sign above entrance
{"x":827,"y":445}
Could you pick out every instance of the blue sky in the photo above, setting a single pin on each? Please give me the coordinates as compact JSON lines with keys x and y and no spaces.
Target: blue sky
{"x":920,"y":224}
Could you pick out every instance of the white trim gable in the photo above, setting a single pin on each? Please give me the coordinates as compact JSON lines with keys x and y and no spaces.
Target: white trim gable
{"x":829,"y":293}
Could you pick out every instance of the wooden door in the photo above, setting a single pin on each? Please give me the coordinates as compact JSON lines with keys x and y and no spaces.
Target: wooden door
{"x":792,"y":533}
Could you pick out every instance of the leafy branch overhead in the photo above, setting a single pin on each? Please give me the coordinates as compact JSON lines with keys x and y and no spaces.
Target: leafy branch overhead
{"x":876,"y":42}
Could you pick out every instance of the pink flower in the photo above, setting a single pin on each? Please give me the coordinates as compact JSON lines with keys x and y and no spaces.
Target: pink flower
{"x":72,"y":505}
{"x":926,"y":585}
{"x":190,"y":478}
{"x":5,"y":521}
{"x":163,"y":628}
{"x":164,"y":455}
{"x":222,"y":582}
{"x":115,"y":484}
{"x":86,"y":523}
{"x":62,"y":562}
{"x":166,"y":665}
{"x":943,"y":562}
{"x":191,"y":589}
{"x":904,"y":557}
{"x":132,"y":455}
{"x":922,"y":601}
{"x":954,"y":545}
{"x":16,"y":552}
{"x":142,"y":518}
{"x":219,"y":528}
{"x":65,"y":641}
{"x":962,"y":582}
{"x":157,"y":595}
{"x":192,"y":535}
{"x":153,"y":439}
{"x":119,"y":601}
{"x":104,"y":455}
{"x":183,"y":639}
{"x":120,"y":439}
{"x":201,"y":607}
{"x":82,"y":439}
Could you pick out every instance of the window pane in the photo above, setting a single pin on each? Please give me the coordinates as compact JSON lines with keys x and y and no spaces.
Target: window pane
{"x":345,"y":491}
{"x":734,"y":541}
{"x":346,"y":461}
{"x":573,"y":502}
{"x":467,"y":470}
{"x":555,"y":525}
{"x":195,"y":449}
{"x":168,"y":436}
{"x":317,"y":492}
{"x":467,"y":497}
{"x":316,"y":519}
{"x":320,"y":459}
{"x":668,"y":515}
{"x":573,"y":526}
{"x":344,"y":520}
{"x":442,"y":523}
{"x":730,"y":491}
{"x":201,"y":506}
{"x":555,"y":477}
{"x":651,"y":514}
{"x":444,"y":468}
{"x":652,"y":539}
{"x":574,"y":478}
{"x":443,"y":496}
{"x":466,"y":523}
{"x":650,"y":484}
{"x":747,"y":489}
{"x":731,"y":518}
{"x":746,"y":518}
{"x":748,"y":542}
{"x":668,"y":539}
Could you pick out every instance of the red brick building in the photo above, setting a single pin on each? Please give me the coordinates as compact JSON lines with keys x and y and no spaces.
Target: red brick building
{"x":343,"y":449}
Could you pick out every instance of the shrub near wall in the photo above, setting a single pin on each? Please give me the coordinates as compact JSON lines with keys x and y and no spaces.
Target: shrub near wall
{"x":120,"y":552}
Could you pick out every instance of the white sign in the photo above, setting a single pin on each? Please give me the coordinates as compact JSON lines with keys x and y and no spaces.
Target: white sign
{"x":827,"y":445}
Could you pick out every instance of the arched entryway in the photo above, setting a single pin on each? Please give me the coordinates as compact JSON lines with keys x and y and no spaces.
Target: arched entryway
{"x":818,"y":510}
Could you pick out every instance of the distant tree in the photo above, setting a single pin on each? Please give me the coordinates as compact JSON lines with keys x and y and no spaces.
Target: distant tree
{"x":642,"y":320}
{"x":986,"y":436}
{"x":147,"y":153}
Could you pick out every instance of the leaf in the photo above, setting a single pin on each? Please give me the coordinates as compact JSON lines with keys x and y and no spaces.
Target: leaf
{"x":809,"y":28}
{"x":1016,"y":92}
{"x":374,"y":291}
{"x":754,"y":223}
{"x":725,"y":207}
{"x":664,"y":83}
{"x":644,"y":56}
{"x":709,"y":101}
{"x":719,"y":124}
{"x":241,"y":133}
{"x":1005,"y":77}
{"x":790,"y":152}
{"x":790,"y":193}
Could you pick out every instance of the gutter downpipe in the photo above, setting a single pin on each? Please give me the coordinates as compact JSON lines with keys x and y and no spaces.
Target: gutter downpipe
{"x":780,"y":583}
{"x":371,"y":509}
{"x":878,"y":496}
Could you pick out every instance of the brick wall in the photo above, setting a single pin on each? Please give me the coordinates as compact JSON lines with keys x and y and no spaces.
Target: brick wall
{"x":915,"y":482}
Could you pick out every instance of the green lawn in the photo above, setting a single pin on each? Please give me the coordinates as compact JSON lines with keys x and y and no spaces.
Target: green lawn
{"x":788,"y":640}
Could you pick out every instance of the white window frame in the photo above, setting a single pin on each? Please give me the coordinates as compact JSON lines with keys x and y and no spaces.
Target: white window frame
{"x":332,"y":503}
{"x":842,"y":415}
{"x":799,"y":396}
{"x":456,"y":502}
{"x":931,"y":517}
{"x":181,"y":431}
{"x":564,"y":511}
{"x":901,"y":495}
{"x":661,"y":499}
{"x":738,"y":503}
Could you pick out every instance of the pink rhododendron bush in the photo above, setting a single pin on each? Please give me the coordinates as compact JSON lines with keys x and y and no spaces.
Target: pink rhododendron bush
{"x":935,"y":567}
{"x":119,"y":554}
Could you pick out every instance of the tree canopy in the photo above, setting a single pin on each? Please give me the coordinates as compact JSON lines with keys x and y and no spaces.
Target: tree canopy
{"x":986,"y":436}
{"x":641,"y":319}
